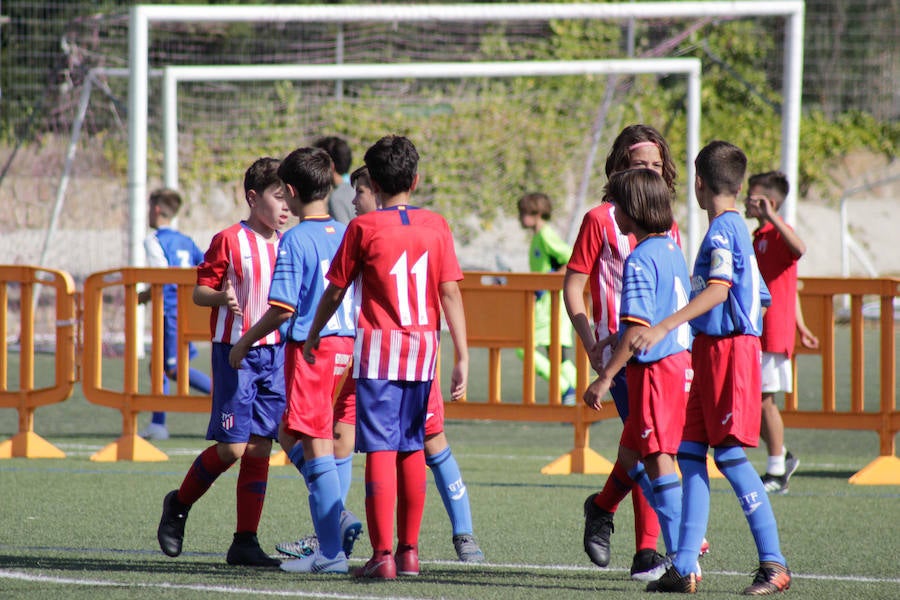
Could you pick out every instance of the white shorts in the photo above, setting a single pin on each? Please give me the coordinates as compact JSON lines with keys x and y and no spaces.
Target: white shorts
{"x":777,"y":375}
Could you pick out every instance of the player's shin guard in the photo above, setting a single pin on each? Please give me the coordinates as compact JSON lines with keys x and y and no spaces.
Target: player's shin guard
{"x":748,"y":487}
{"x":203,"y":472}
{"x":251,"y":491}
{"x":452,"y":489}
{"x":694,"y":504}
{"x":324,"y":486}
{"x":345,"y":475}
{"x":411,"y":505}
{"x":667,"y":502}
{"x":381,"y":497}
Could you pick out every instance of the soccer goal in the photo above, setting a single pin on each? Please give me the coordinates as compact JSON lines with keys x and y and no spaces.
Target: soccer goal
{"x":689,"y":67}
{"x":448,"y":31}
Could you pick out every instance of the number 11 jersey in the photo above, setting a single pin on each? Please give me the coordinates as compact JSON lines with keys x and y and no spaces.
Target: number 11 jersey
{"x":401,"y":254}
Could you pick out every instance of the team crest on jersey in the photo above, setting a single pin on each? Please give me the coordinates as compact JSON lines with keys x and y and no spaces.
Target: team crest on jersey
{"x":329,"y":229}
{"x":227,"y":421}
{"x":762,"y":245}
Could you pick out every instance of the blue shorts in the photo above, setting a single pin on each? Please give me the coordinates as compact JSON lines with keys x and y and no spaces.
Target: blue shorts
{"x":170,"y":342}
{"x":390,"y":415}
{"x":250,"y":400}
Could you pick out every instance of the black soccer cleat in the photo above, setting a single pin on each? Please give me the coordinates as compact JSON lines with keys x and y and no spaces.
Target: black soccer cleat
{"x":170,"y":532}
{"x":598,"y":527}
{"x":246,"y":551}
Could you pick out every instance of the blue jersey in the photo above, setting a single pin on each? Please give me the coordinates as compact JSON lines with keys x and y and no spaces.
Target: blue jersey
{"x":304,"y":256}
{"x":167,"y":247}
{"x":726,"y":257}
{"x":655,"y":285}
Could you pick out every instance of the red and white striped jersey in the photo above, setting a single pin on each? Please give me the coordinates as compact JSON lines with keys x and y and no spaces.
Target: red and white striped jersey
{"x":600,"y":251}
{"x":402,"y":255}
{"x":247,"y":260}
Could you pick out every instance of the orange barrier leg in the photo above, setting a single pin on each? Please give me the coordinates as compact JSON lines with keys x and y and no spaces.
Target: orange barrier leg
{"x":581,"y":459}
{"x":130,"y":446}
{"x":28,"y":444}
{"x":884,"y":470}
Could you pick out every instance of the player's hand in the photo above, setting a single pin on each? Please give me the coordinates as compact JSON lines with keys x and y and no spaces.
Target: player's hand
{"x":231,"y":300}
{"x":311,"y":344}
{"x":459,"y":381}
{"x":767,"y":207}
{"x":807,"y":339}
{"x":646,"y":338}
{"x":595,"y":391}
{"x":237,"y":354}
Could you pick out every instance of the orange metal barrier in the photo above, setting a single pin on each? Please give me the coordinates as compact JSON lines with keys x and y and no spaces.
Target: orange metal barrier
{"x":193,"y":325}
{"x":818,"y":296}
{"x":500,"y":314}
{"x":26,"y":443}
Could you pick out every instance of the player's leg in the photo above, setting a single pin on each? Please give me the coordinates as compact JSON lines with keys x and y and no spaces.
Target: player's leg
{"x":378,"y":435}
{"x":411,"y":474}
{"x":265,"y":396}
{"x":777,"y":376}
{"x":230,"y":435}
{"x":600,"y":507}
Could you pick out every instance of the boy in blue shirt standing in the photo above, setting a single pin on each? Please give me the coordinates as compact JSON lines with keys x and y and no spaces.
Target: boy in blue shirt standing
{"x":723,"y":410}
{"x":298,"y":281}
{"x":168,"y":247}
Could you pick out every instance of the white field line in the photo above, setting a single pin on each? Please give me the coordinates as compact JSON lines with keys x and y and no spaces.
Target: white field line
{"x":20,"y":575}
{"x":221,"y":589}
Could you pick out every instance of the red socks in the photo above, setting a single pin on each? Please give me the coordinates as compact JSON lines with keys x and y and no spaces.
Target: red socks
{"x":389,"y":475}
{"x":381,"y":496}
{"x":411,"y":487}
{"x":646,"y":523}
{"x":251,"y":491}
{"x":206,"y":468}
{"x":617,"y":486}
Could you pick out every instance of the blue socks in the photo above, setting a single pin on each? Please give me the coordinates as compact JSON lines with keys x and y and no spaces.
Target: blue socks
{"x":453,"y":492}
{"x":695,"y":504}
{"x":324,"y":502}
{"x":345,"y":475}
{"x":748,"y":487}
{"x":664,"y":495}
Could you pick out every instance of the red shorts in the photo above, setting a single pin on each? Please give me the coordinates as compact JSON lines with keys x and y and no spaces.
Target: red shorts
{"x":345,"y":407}
{"x":724,"y":400}
{"x":310,"y":388}
{"x":657,"y":396}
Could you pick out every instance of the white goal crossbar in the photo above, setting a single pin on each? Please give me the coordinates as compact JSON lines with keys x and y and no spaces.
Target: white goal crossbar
{"x":691,"y":67}
{"x":143,"y":16}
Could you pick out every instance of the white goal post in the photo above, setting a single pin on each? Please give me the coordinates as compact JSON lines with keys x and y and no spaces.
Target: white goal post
{"x":143,"y":16}
{"x":690,"y":67}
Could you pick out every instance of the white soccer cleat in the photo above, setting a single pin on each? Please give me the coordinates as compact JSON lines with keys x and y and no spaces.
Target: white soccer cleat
{"x":316,"y":563}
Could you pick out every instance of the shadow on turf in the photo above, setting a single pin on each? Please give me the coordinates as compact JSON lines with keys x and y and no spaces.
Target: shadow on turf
{"x":107,"y":565}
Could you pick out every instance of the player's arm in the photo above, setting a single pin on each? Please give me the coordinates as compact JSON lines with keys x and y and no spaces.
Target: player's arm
{"x":328,"y":303}
{"x":207,"y":296}
{"x":269,"y":322}
{"x":452,"y":305}
{"x":573,"y":297}
{"x":798,"y":248}
{"x":620,"y":356}
{"x":715,"y":293}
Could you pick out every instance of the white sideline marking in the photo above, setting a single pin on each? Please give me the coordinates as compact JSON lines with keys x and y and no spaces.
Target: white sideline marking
{"x":20,"y":576}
